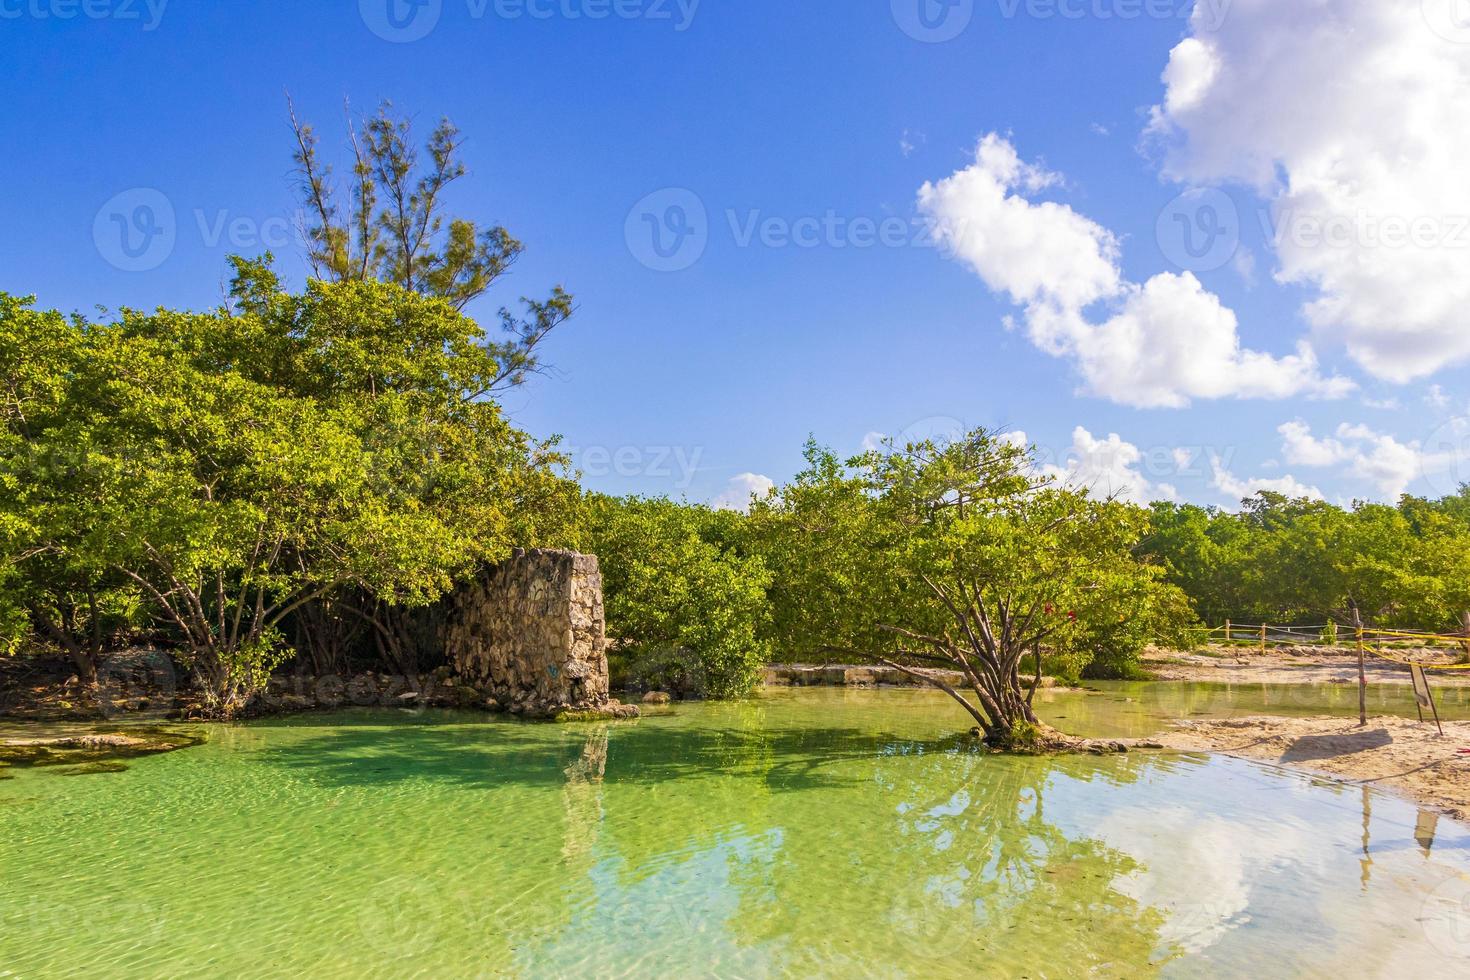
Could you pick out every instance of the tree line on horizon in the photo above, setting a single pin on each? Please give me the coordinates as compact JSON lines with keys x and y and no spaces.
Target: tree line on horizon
{"x":291,"y":480}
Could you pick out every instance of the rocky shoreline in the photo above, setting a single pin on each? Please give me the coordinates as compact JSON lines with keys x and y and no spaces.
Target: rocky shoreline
{"x":85,"y":754}
{"x":154,"y":693}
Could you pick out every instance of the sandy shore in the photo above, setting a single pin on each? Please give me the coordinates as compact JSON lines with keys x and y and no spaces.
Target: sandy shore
{"x":1291,"y":665}
{"x":1396,"y":754}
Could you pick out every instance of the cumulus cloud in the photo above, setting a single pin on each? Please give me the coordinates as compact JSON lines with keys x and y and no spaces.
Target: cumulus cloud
{"x":1343,"y":116}
{"x":1198,"y":868}
{"x":1237,"y":488}
{"x":1301,"y":448}
{"x":1108,"y":467}
{"x":1375,"y":457}
{"x":737,"y":493}
{"x":1161,"y":343}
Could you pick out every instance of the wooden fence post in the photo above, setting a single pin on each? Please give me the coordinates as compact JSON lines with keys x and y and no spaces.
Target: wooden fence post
{"x":1263,"y":637}
{"x":1362,"y":673}
{"x":1227,"y":631}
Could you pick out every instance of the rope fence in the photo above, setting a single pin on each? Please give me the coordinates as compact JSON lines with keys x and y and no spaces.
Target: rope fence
{"x":1264,"y":635}
{"x":1368,"y":642}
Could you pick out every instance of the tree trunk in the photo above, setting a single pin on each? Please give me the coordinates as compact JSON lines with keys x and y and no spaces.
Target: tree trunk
{"x":82,"y":655}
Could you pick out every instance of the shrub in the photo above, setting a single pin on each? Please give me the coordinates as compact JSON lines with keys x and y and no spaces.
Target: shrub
{"x":686,"y":608}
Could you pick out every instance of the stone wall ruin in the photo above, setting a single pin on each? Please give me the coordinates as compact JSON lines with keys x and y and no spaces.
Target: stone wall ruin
{"x":530,"y":633}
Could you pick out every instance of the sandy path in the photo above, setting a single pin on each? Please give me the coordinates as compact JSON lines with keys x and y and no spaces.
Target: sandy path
{"x":1389,"y":753}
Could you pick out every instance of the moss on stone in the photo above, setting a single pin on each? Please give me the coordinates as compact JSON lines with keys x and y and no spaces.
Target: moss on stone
{"x":96,"y":747}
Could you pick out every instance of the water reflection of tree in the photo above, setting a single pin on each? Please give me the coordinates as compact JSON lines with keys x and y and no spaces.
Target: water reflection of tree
{"x":957,"y":871}
{"x":791,"y":846}
{"x":682,"y":790}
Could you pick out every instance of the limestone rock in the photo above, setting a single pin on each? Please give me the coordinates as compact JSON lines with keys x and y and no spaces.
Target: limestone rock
{"x":529,"y":635}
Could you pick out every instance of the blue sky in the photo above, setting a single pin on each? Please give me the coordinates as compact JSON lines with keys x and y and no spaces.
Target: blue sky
{"x":764,"y":120}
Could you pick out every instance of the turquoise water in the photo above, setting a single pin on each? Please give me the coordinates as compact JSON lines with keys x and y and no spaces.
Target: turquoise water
{"x":809,"y":833}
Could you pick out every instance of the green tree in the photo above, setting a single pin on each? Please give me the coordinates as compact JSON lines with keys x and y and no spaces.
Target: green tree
{"x":234,"y":467}
{"x":963,"y":558}
{"x":818,"y":539}
{"x":52,"y":584}
{"x":686,"y":608}
{"x":396,"y":230}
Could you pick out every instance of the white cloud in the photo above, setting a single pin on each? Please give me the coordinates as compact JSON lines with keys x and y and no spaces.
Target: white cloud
{"x":1158,"y":344}
{"x":1364,"y":454}
{"x":1301,"y":448}
{"x":1237,"y":488}
{"x":1108,"y":467}
{"x":1244,"y":264}
{"x":1436,"y":398}
{"x":737,"y":493}
{"x":1197,"y":869}
{"x":1016,"y":437}
{"x":1347,"y":117}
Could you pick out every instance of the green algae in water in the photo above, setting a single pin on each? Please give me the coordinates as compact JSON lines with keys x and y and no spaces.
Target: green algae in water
{"x":93,"y":769}
{"x":810,"y":833}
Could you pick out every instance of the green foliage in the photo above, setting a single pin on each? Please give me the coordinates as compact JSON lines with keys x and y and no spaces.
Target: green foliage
{"x":819,"y":537}
{"x":395,"y":231}
{"x":1024,"y":737}
{"x":958,"y":555}
{"x":1295,"y":561}
{"x":686,"y":608}
{"x":216,"y":472}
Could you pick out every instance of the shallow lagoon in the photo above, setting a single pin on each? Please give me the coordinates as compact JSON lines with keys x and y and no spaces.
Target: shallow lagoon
{"x":810,"y":832}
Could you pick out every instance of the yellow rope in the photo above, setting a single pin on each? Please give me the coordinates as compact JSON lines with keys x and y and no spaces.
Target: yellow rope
{"x":1415,"y":663}
{"x":1368,"y":636}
